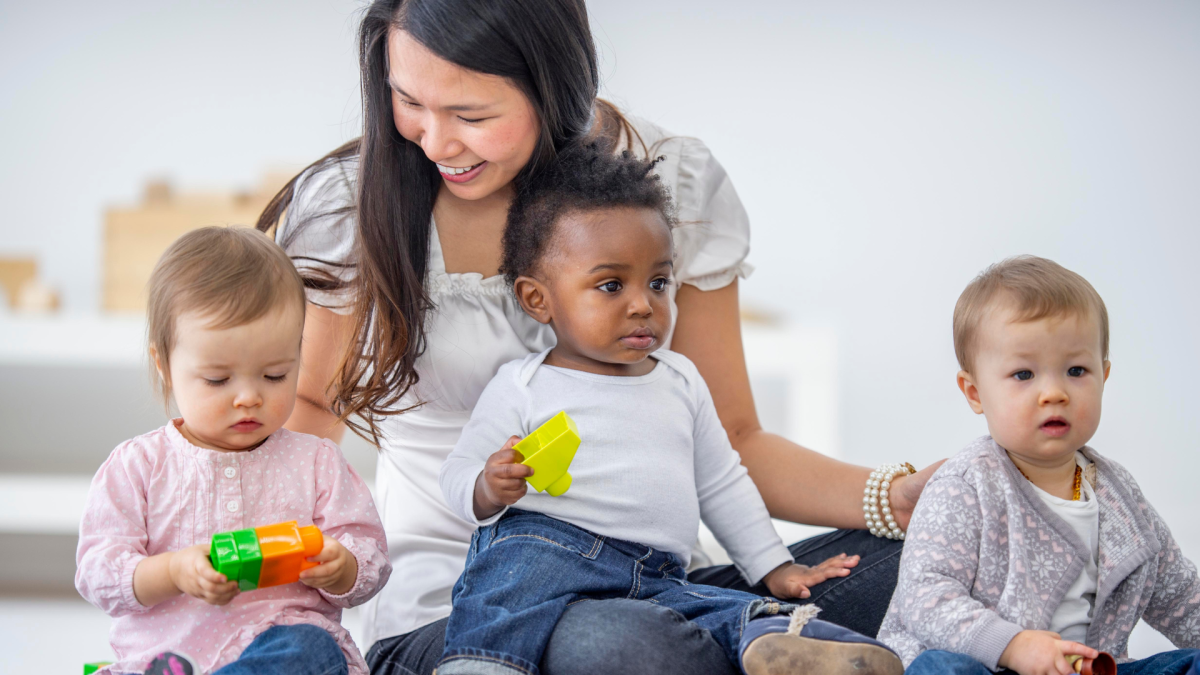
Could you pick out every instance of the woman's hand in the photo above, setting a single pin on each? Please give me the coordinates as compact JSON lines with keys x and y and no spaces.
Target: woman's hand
{"x":337,"y":572}
{"x":1040,"y":652}
{"x":192,"y":573}
{"x":906,"y":490}
{"x":502,"y":481}
{"x":790,"y":580}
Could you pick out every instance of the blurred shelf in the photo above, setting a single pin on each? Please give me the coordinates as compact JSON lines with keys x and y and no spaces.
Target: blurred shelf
{"x":39,"y":531}
{"x":72,"y":339}
{"x":36,"y":504}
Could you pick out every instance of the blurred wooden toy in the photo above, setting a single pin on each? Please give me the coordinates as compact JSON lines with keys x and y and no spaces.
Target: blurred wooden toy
{"x":1104,"y":664}
{"x":550,"y":450}
{"x":271,"y":555}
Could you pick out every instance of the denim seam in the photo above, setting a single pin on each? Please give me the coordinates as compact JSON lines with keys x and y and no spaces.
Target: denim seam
{"x":393,"y":662}
{"x":636,"y":589}
{"x":591,"y":555}
{"x":534,"y":536}
{"x":841,"y":582}
{"x":766,"y":606}
{"x":489,"y":659}
{"x":682,"y":581}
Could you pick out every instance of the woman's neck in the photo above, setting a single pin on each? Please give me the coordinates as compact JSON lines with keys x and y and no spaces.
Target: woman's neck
{"x":472,"y":231}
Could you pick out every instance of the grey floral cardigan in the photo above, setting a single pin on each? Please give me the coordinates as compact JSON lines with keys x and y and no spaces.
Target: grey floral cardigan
{"x":985,"y":558}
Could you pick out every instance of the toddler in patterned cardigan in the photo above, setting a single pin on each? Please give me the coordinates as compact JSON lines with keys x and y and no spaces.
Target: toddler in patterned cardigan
{"x":1029,"y":546}
{"x":225,"y":317}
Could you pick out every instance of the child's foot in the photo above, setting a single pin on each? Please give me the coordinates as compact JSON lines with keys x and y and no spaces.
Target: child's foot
{"x":802,"y":645}
{"x":170,"y":663}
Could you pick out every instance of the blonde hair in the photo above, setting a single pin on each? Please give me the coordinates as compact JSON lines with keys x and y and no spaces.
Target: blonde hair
{"x":235,"y":275}
{"x":1038,"y":287}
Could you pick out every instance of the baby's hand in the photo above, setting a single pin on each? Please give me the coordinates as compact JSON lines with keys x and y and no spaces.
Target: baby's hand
{"x":337,"y":572}
{"x":793,"y":581}
{"x":193,"y":573}
{"x":1040,"y":652}
{"x":502,"y":481}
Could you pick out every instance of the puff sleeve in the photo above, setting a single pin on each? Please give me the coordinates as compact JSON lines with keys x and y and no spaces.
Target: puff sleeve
{"x":713,"y":236}
{"x":319,"y":229}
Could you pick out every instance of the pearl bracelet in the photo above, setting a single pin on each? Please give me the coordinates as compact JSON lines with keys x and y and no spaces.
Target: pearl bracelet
{"x":877,"y":507}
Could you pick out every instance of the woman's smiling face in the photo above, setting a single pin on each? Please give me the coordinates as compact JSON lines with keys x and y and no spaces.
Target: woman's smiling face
{"x":479,"y":129}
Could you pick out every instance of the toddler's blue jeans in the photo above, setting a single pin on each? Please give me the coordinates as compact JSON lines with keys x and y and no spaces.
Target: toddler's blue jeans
{"x":936,"y":662}
{"x":525,"y":569}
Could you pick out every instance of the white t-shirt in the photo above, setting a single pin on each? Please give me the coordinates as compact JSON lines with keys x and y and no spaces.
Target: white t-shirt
{"x":653,"y":458}
{"x":475,"y":328}
{"x":1074,"y":615}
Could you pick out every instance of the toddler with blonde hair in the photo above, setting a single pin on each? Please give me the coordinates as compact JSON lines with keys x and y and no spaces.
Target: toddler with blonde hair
{"x":1029,"y":548}
{"x":225,"y":317}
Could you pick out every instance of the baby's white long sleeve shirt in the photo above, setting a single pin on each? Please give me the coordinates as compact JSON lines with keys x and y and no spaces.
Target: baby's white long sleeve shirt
{"x":653,"y":461}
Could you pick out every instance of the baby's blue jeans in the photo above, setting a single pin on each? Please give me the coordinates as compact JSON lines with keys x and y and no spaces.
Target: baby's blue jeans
{"x":525,"y":569}
{"x":936,"y":662}
{"x":301,"y":649}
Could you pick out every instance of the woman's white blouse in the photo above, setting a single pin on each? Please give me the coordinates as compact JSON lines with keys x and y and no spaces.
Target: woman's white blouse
{"x":476,"y":327}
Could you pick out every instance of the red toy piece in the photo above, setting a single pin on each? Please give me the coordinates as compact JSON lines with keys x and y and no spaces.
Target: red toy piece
{"x":1104,"y":664}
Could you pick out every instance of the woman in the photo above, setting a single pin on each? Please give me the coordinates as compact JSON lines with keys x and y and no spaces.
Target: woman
{"x":399,"y":237}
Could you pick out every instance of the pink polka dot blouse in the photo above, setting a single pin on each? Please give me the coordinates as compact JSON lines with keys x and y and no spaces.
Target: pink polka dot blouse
{"x":159,"y":493}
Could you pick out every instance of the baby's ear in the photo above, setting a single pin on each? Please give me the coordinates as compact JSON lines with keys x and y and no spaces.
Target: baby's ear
{"x":164,"y":382}
{"x":158,"y":366}
{"x":1107,"y":369}
{"x":534,"y":298}
{"x":966,"y":384}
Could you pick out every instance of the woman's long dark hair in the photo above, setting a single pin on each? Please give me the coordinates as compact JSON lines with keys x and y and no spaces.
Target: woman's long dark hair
{"x":543,"y":47}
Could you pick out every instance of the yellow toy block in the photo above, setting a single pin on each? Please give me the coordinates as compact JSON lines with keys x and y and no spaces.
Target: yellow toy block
{"x":549,"y":450}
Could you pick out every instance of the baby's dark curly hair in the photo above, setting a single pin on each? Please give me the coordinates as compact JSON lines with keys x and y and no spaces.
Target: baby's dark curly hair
{"x":582,"y":178}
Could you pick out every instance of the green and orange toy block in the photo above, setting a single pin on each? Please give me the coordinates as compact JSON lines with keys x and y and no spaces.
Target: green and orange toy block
{"x":550,"y":450}
{"x":271,"y":555}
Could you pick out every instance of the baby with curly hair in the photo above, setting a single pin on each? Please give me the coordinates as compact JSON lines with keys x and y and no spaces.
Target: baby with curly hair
{"x":587,"y":250}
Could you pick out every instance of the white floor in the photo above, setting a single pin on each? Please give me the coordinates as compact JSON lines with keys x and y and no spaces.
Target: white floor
{"x":60,"y":635}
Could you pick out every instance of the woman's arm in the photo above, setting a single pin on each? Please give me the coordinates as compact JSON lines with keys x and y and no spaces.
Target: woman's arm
{"x":796,"y":483}
{"x":325,"y":336}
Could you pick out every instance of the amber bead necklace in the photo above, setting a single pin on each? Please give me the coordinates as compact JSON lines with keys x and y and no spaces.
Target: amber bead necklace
{"x":1078,"y":480}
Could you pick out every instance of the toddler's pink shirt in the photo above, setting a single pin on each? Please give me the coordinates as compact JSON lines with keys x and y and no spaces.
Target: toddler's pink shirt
{"x":158,"y":493}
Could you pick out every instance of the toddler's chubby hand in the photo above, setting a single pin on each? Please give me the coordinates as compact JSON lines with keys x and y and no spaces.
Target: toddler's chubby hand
{"x":793,"y":581}
{"x":502,"y":481}
{"x":337,"y":572}
{"x":193,"y":573}
{"x":1040,"y":652}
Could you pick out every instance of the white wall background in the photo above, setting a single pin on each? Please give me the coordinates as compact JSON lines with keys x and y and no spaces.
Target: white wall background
{"x":886,"y":153}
